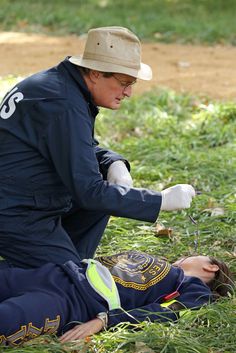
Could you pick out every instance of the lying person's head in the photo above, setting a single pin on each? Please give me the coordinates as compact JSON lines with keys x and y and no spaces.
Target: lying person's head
{"x":211,"y":271}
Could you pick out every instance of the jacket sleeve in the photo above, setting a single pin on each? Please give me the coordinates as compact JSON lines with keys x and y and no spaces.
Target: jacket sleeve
{"x":152,"y":312}
{"x":194,"y":294}
{"x":70,"y":145}
{"x":106,"y":158}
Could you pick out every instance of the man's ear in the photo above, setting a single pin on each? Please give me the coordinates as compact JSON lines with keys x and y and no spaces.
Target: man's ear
{"x":211,"y":268}
{"x":94,"y":75}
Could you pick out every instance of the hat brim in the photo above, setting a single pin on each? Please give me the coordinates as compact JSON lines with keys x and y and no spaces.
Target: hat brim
{"x":144,"y":73}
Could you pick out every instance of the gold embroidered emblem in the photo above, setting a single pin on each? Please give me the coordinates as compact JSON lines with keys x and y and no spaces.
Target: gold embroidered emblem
{"x":136,"y":270}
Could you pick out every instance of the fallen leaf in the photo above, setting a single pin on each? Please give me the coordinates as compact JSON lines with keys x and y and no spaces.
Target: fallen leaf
{"x":162,"y":231}
{"x":141,"y":347}
{"x":216,"y":211}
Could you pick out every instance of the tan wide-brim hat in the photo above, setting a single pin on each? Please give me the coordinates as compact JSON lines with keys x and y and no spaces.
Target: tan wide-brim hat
{"x":113,"y":49}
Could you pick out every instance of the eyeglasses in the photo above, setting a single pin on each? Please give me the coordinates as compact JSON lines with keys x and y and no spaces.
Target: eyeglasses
{"x":124,"y":84}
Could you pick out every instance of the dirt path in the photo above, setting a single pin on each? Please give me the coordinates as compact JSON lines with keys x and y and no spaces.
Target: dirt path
{"x":203,"y":70}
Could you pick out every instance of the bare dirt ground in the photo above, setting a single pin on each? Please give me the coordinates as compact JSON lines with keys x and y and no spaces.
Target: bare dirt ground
{"x":200,"y":70}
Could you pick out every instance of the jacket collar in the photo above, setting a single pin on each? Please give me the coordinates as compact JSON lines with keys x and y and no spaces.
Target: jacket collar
{"x":76,"y":75}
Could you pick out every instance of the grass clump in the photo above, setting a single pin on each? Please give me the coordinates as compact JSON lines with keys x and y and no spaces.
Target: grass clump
{"x":199,"y":332}
{"x":201,"y":21}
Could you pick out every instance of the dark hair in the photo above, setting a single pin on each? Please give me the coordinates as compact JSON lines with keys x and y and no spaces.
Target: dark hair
{"x":85,"y":71}
{"x":223,"y":284}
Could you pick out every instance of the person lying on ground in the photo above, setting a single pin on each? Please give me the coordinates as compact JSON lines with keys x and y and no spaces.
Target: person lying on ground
{"x":75,"y":301}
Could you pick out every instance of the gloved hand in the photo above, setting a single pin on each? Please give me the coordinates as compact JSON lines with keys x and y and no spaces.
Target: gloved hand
{"x":177,"y":197}
{"x":119,"y":174}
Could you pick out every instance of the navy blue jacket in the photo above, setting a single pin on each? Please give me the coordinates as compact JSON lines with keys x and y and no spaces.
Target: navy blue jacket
{"x":142,"y":281}
{"x":48,"y":155}
{"x":53,"y":298}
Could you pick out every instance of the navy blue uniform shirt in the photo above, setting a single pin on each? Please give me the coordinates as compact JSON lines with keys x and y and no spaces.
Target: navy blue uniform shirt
{"x":51,"y":298}
{"x":144,"y":280}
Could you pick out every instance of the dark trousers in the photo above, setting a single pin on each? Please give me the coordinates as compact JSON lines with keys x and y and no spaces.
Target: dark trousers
{"x":40,"y":238}
{"x":85,"y":229}
{"x":35,"y":302}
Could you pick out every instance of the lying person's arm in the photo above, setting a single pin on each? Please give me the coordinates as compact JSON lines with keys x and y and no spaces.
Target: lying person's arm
{"x":193,"y":295}
{"x":153,"y":312}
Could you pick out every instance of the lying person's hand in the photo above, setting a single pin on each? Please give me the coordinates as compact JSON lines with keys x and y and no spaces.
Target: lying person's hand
{"x":119,"y":174}
{"x":82,"y":330}
{"x":177,"y":197}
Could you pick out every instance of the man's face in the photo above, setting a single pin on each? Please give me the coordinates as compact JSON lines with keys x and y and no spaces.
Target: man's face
{"x":108,"y":92}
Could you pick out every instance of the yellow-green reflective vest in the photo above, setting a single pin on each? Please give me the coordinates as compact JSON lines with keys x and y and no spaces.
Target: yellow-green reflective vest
{"x":101,"y":280}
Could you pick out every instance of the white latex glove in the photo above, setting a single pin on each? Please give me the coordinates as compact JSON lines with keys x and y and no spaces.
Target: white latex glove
{"x":119,"y":174}
{"x":177,"y":197}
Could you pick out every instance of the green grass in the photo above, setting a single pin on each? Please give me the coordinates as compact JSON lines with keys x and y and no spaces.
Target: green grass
{"x":169,"y":139}
{"x":204,"y":21}
{"x":172,"y":139}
